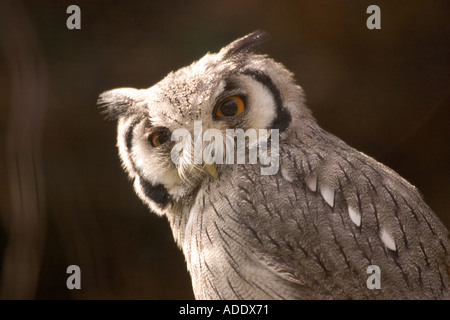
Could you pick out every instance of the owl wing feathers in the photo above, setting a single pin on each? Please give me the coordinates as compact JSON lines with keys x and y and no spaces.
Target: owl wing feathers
{"x":319,"y":237}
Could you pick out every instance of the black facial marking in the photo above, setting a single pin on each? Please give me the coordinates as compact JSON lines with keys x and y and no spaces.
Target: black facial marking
{"x":129,"y":142}
{"x":281,"y":122}
{"x":129,"y":134}
{"x":157,"y":193}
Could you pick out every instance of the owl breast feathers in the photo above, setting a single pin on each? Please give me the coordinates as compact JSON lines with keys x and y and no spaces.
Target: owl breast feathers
{"x":326,"y":222}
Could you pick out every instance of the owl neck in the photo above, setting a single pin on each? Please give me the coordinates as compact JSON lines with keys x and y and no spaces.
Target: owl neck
{"x":178,"y":216}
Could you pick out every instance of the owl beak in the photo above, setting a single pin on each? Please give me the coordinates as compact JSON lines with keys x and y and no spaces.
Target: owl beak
{"x":211,"y":168}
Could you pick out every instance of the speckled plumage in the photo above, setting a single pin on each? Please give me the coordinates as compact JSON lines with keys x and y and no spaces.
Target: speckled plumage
{"x":311,"y":230}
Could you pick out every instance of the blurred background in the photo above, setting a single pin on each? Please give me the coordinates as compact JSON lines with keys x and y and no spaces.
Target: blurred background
{"x":64,"y":198}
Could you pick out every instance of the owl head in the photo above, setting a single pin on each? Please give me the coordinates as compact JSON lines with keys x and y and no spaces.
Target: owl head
{"x":235,"y":88}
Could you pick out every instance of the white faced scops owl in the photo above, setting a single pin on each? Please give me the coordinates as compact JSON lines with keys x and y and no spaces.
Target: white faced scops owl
{"x":263,"y":202}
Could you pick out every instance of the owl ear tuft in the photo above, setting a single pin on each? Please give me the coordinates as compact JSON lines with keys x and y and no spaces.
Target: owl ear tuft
{"x":245,"y":45}
{"x":118,"y":102}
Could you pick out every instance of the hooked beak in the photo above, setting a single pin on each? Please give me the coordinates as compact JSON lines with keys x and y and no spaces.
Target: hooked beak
{"x":211,"y":169}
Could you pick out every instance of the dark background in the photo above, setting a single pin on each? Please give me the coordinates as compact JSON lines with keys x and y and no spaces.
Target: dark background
{"x":64,"y":198}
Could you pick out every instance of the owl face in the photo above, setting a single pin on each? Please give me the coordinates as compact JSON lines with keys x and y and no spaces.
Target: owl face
{"x":232,"y":89}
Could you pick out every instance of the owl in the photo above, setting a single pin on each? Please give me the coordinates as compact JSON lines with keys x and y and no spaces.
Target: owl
{"x":326,"y":222}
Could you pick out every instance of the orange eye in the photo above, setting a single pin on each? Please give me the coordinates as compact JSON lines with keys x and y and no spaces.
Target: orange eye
{"x":230,"y":107}
{"x":158,"y":137}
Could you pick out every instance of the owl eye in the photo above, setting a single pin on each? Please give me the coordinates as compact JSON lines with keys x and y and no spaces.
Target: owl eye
{"x":230,"y":107}
{"x":158,"y":136}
